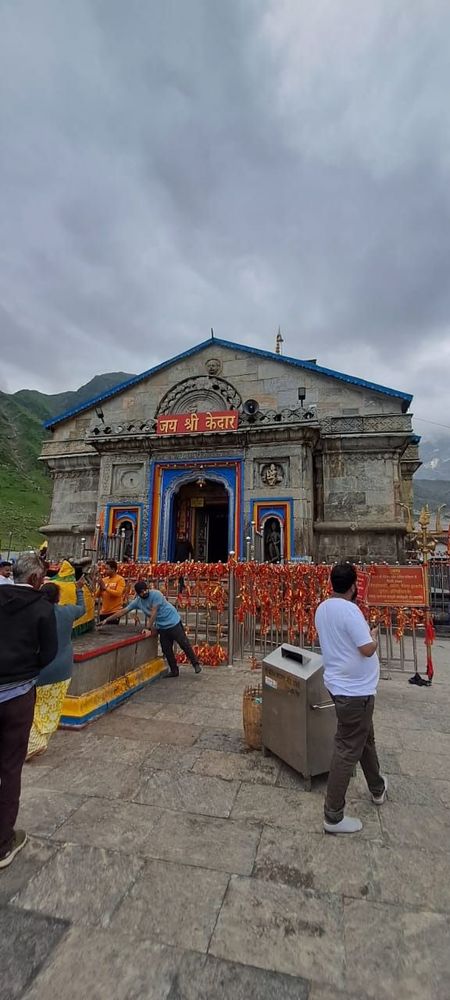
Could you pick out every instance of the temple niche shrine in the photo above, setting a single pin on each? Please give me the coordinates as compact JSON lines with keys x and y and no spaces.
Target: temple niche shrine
{"x":226,"y":443}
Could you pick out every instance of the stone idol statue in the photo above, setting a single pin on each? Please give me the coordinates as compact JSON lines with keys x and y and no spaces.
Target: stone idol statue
{"x":272,"y":474}
{"x":274,"y":542}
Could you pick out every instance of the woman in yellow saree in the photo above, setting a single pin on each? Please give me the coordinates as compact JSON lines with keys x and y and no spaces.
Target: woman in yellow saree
{"x":54,"y":680}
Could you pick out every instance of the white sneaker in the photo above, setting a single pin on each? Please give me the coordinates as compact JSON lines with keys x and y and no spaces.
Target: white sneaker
{"x":379,"y":799}
{"x":347,"y":825}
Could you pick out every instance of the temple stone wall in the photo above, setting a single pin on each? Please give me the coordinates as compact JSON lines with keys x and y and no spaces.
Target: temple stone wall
{"x":253,"y":378}
{"x":74,"y":503}
{"x":346,"y":483}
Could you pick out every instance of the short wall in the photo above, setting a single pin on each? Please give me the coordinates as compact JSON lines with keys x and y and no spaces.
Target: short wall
{"x":109,"y":666}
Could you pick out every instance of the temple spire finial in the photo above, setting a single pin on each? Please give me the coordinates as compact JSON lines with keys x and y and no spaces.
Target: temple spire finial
{"x":278,"y":342}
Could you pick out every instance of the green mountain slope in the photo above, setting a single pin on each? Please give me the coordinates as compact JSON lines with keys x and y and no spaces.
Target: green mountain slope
{"x":25,"y":489}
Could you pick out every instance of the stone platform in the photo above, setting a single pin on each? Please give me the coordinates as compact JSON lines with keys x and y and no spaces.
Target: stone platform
{"x":166,"y":862}
{"x":110,"y":665}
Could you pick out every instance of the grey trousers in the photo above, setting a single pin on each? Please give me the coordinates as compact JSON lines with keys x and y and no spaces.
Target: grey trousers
{"x":354,"y":742}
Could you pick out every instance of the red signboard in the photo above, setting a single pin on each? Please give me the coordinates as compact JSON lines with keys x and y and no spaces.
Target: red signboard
{"x":396,"y":586}
{"x":362,"y":584}
{"x":197,"y":423}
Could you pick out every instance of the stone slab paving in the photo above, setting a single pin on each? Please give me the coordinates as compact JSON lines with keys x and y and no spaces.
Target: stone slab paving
{"x":167,"y":861}
{"x":174,"y":904}
{"x":188,"y":792}
{"x":304,"y":930}
{"x":26,"y":941}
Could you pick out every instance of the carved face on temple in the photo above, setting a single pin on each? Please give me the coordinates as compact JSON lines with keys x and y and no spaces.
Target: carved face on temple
{"x":213,"y":366}
{"x":272,"y":474}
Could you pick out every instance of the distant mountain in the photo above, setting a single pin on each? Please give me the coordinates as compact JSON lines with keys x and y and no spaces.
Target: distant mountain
{"x":25,"y":489}
{"x":434,"y":492}
{"x":435,"y":454}
{"x":432,"y":480}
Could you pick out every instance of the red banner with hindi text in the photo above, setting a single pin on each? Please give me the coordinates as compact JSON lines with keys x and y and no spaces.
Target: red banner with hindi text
{"x":396,"y":586}
{"x":197,"y":423}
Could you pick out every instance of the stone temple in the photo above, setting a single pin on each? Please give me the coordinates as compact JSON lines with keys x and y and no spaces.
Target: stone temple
{"x":224,"y":435}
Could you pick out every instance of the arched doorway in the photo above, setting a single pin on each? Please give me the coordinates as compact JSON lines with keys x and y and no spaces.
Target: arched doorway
{"x":201,"y":511}
{"x":124,"y":523}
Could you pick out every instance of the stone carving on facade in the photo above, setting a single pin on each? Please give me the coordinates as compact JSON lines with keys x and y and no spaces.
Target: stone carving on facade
{"x":285,"y":416}
{"x":199,"y":394}
{"x":98,"y":435}
{"x":383,"y":423}
{"x":265,"y":475}
{"x":389,"y":422}
{"x":272,"y":474}
{"x":411,"y":453}
{"x":106,"y":471}
{"x":127,"y":479}
{"x":67,"y":473}
{"x":213,"y":366}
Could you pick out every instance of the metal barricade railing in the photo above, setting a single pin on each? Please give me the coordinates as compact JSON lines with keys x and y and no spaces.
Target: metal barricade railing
{"x":200,"y":595}
{"x":244,"y":610}
{"x":398,"y":653}
{"x":439,"y":582}
{"x":260,"y":626}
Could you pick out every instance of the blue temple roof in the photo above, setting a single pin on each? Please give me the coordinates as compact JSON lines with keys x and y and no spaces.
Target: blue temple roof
{"x":269,"y":355}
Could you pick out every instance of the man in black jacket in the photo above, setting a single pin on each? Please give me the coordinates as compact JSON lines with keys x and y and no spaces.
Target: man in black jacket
{"x":28,"y":642}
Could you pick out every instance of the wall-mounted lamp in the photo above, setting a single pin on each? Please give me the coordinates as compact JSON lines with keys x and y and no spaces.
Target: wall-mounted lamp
{"x":301,"y":394}
{"x":99,"y":414}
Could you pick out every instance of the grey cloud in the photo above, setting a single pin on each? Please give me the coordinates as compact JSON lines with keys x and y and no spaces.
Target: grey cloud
{"x":168,"y":167}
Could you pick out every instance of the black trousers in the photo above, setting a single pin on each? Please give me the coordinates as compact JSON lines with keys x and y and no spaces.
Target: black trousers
{"x":167,"y":637}
{"x":16,"y":717}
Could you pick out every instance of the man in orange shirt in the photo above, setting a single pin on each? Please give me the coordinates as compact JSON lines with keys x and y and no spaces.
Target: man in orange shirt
{"x":111,"y":591}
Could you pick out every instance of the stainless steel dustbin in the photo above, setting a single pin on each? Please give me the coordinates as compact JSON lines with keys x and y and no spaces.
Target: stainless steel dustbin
{"x":298,"y":715}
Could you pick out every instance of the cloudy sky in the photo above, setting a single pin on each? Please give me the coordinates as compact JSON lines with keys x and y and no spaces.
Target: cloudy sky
{"x":170,"y":166}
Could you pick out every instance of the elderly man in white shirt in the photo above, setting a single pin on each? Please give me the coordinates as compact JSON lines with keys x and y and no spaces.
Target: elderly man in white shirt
{"x":351,"y":674}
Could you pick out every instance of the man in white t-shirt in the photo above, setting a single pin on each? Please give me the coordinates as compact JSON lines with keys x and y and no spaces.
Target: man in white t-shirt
{"x":351,"y":675}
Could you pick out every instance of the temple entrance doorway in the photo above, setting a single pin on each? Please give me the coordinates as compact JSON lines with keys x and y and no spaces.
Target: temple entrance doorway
{"x":201,"y":511}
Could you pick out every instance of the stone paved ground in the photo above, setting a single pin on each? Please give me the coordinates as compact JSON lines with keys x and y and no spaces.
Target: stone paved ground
{"x":167,"y":862}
